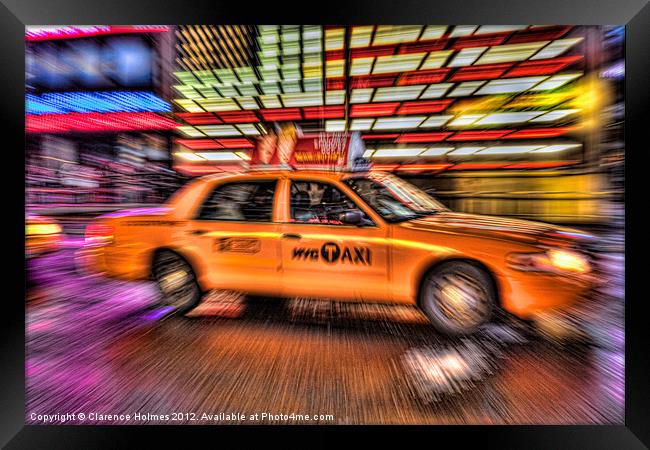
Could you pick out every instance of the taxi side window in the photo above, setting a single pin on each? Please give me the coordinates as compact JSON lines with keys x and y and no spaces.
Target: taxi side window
{"x":250,"y":201}
{"x":316,"y":202}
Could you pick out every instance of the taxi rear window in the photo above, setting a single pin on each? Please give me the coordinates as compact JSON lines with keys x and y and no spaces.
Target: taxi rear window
{"x":240,"y":201}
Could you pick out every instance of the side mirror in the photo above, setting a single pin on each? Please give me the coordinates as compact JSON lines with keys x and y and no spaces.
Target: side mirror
{"x":352,"y":217}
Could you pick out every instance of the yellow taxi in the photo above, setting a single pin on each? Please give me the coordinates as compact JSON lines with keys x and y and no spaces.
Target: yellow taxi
{"x":42,"y":235}
{"x":347,"y":236}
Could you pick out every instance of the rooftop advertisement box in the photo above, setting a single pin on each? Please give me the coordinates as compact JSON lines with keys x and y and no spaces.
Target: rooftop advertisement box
{"x":329,"y":151}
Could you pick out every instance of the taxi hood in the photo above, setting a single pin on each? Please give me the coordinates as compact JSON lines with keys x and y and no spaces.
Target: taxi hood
{"x":497,"y":227}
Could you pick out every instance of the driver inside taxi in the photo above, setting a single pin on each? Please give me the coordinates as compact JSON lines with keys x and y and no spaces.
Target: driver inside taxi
{"x":321,"y":203}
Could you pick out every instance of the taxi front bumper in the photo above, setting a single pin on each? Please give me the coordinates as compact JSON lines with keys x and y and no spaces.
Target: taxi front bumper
{"x":534,"y":294}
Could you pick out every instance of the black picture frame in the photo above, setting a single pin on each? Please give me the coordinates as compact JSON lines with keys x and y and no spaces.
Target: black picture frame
{"x":15,"y":14}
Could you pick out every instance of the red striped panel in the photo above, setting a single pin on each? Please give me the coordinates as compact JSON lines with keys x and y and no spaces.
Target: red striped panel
{"x":372,"y":81}
{"x":281,"y":114}
{"x":239,"y":117}
{"x":423,"y":77}
{"x":373,"y":109}
{"x":419,"y":47}
{"x":235,"y":143}
{"x":95,"y":122}
{"x":533,"y":133}
{"x":324,"y":112}
{"x":334,"y":54}
{"x":425,"y":106}
{"x":478,"y":166}
{"x":484,"y":72}
{"x":422,"y":167}
{"x":542,"y":66}
{"x":367,"y":52}
{"x":479,"y":135}
{"x":482,"y":41}
{"x":333,"y":84}
{"x":435,"y":44}
{"x":539,"y":34}
{"x":199,"y":118}
{"x":424,"y":137}
{"x":371,"y":137}
{"x":199,"y":144}
{"x":540,"y":164}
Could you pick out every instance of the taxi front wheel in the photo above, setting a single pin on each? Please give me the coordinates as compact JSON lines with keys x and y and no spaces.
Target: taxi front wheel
{"x":458,"y":297}
{"x":176,"y":281}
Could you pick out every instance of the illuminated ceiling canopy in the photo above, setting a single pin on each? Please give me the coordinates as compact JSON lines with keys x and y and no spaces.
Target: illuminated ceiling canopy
{"x":398,"y":85}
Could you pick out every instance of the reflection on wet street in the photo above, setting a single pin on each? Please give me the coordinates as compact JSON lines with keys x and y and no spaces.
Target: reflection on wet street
{"x":99,"y":346}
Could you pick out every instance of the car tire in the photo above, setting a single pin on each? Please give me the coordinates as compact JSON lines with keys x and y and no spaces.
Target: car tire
{"x":458,"y":297}
{"x":176,"y":282}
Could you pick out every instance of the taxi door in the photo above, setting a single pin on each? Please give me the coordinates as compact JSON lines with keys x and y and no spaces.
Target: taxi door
{"x":236,"y":234}
{"x":331,"y":246}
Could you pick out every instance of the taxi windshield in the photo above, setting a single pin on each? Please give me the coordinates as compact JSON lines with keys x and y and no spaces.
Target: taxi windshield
{"x":393,"y":198}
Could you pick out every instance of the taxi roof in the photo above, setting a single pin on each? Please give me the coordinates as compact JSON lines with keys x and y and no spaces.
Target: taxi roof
{"x":282,"y":173}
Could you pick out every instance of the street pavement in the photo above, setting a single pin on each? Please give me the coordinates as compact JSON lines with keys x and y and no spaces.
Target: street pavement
{"x":101,"y":346}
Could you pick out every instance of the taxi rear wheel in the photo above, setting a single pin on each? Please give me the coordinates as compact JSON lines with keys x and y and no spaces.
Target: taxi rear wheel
{"x":176,"y":281}
{"x":458,"y":297}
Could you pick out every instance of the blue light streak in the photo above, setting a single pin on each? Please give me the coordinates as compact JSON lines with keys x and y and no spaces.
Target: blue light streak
{"x":82,"y":102}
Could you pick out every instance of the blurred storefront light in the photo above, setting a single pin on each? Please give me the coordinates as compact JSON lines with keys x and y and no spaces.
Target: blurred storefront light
{"x":78,"y":102}
{"x":43,"y":33}
{"x":96,"y":122}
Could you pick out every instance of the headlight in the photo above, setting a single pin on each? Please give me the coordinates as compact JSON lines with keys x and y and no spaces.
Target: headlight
{"x":568,"y":260}
{"x":42,"y":229}
{"x":553,"y":260}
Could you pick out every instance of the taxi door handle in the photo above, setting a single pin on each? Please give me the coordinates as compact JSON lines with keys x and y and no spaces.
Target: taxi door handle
{"x":198,"y":232}
{"x":291,"y":236}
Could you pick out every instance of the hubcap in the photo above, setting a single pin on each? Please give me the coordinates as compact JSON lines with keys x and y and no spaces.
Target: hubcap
{"x":173,"y":280}
{"x":460,"y":298}
{"x":176,"y":282}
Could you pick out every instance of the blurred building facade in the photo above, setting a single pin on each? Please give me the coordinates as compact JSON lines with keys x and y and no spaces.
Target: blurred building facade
{"x":98,"y":125}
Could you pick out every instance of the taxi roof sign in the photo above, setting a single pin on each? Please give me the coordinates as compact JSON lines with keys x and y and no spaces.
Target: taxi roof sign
{"x":323,"y":151}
